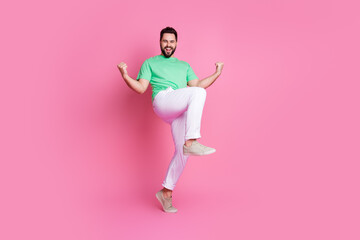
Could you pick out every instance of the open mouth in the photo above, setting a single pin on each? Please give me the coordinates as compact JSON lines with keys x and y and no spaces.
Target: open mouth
{"x":168,"y":49}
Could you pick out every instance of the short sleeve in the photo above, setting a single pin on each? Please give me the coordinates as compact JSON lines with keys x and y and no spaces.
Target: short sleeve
{"x":145,"y":71}
{"x":190,"y":74}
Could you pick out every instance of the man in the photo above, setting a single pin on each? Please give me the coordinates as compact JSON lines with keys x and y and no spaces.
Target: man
{"x":176,"y":104}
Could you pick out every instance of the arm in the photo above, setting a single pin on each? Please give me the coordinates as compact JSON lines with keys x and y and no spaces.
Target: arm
{"x":206,"y":82}
{"x":138,"y":86}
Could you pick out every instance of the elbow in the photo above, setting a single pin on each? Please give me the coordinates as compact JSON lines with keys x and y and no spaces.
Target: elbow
{"x":200,"y":84}
{"x":141,"y":91}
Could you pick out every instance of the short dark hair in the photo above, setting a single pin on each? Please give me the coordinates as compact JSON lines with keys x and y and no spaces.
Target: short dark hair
{"x":168,"y":30}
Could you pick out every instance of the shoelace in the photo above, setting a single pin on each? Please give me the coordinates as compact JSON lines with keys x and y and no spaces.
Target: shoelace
{"x":200,"y":145}
{"x":169,"y":199}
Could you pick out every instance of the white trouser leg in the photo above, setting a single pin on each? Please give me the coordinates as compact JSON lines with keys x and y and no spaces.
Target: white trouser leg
{"x":170,"y":104}
{"x":182,"y":108}
{"x":178,"y":160}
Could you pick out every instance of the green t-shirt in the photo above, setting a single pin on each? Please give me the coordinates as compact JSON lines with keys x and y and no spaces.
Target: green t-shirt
{"x":165,"y":72}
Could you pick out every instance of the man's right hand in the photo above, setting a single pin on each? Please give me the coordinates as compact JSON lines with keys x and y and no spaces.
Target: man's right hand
{"x":122,"y":67}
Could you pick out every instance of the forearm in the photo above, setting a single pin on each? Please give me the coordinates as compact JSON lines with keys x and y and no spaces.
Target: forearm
{"x":133,"y":84}
{"x":206,"y":82}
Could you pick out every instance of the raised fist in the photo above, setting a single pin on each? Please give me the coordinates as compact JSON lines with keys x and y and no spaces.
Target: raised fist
{"x":219,"y":66}
{"x":122,"y":67}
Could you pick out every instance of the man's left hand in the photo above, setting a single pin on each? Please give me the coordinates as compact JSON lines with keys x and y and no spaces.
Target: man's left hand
{"x":219,"y":67}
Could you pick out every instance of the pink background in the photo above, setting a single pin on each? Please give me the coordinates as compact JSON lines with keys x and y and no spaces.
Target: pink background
{"x":82,"y":156}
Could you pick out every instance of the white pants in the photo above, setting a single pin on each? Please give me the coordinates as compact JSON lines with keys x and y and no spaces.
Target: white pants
{"x":182,"y":109}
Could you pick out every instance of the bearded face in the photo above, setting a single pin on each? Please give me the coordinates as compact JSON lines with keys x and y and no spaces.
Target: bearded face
{"x":168,"y":44}
{"x":168,"y":51}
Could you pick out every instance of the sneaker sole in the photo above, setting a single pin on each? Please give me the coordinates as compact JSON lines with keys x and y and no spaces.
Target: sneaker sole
{"x":199,"y":154}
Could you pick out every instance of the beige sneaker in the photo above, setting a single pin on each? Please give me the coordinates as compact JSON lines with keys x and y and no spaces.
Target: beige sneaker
{"x":166,"y":203}
{"x":197,"y":149}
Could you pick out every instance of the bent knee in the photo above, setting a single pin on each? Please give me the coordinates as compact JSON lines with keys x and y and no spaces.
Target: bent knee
{"x":200,"y":91}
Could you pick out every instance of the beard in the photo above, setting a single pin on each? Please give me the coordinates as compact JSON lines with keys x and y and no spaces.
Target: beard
{"x":167,"y":55}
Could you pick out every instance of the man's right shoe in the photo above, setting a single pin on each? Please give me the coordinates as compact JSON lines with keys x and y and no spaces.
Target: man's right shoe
{"x":166,"y":203}
{"x":197,"y":149}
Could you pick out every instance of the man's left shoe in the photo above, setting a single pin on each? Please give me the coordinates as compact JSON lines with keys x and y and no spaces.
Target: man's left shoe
{"x":197,"y":149}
